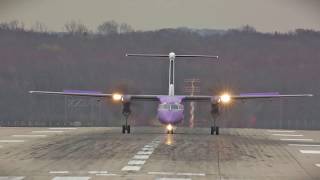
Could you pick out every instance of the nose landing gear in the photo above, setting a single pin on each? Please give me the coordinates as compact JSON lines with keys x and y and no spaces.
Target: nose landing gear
{"x":126,"y":113}
{"x":169,"y":129}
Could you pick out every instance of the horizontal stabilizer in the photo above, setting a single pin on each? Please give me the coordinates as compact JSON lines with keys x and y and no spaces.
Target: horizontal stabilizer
{"x":175,"y":55}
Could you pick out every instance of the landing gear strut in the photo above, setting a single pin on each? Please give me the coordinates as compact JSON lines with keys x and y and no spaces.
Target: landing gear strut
{"x":170,"y":131}
{"x":214,"y":114}
{"x":126,"y":113}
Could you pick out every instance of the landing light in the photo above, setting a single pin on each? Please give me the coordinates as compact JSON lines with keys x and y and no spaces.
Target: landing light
{"x":225,"y":98}
{"x":116,"y":97}
{"x":169,"y":127}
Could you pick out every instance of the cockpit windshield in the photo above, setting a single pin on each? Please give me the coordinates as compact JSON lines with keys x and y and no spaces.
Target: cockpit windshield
{"x":171,"y":106}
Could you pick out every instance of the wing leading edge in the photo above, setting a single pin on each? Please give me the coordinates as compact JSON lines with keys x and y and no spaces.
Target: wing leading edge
{"x":245,"y":96}
{"x":99,"y":95}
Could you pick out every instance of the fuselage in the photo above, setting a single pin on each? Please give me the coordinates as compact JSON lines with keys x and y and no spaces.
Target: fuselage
{"x":170,"y":109}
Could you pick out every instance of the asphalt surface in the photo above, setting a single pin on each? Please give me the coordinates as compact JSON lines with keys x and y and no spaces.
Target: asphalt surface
{"x":149,"y":153}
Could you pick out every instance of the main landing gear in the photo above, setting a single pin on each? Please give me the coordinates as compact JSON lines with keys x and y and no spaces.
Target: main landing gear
{"x":214,"y":114}
{"x":126,"y":113}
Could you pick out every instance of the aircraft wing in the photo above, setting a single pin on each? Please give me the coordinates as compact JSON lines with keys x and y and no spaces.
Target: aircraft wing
{"x":98,"y":94}
{"x":73,"y":93}
{"x":245,"y":96}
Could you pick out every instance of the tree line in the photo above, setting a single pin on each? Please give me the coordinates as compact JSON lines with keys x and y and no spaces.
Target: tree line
{"x":250,"y":61}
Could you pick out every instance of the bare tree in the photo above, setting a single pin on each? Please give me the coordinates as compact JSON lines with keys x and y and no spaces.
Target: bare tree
{"x":125,"y":28}
{"x":76,"y":28}
{"x":14,"y":25}
{"x":109,"y":27}
{"x":39,"y":27}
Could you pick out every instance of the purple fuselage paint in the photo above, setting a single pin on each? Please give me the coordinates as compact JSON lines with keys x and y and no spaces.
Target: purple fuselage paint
{"x":170,"y":109}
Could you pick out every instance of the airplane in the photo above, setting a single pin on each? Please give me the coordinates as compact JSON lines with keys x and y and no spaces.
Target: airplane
{"x":170,"y":108}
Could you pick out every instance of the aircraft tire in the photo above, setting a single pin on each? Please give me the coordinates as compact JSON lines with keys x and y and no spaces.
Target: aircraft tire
{"x":217,"y":130}
{"x":128,"y":129}
{"x":123,"y":129}
{"x":212,"y":130}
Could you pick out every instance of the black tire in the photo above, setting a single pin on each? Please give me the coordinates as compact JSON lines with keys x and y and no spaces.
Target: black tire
{"x":212,"y":130}
{"x":123,"y":129}
{"x":128,"y":129}
{"x":217,"y":130}
{"x":171,"y":131}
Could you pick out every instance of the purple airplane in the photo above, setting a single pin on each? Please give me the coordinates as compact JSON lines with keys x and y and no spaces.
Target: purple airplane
{"x":170,"y":109}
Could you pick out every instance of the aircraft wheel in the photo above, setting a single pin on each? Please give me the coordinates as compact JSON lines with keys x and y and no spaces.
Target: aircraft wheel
{"x":123,"y":129}
{"x":212,"y":130}
{"x":217,"y":130}
{"x":128,"y":129}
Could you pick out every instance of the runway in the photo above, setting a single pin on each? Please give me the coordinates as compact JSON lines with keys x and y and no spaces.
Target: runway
{"x":149,"y":153}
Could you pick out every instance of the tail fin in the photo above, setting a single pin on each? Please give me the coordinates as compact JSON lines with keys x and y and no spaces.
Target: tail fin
{"x":172,"y":57}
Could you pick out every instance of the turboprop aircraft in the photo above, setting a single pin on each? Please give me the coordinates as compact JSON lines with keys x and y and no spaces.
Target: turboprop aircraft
{"x":170,"y":109}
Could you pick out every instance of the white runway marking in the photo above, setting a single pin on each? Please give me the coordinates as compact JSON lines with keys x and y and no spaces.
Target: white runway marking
{"x":296,"y":135}
{"x":296,"y":139}
{"x":191,"y":174}
{"x":59,"y":172}
{"x":176,"y":174}
{"x":98,"y":172}
{"x":148,"y":146}
{"x":11,"y":141}
{"x":136,"y":162}
{"x":318,"y":165}
{"x":161,"y":173}
{"x":106,"y":174}
{"x":131,"y":168}
{"x":11,"y":177}
{"x":140,"y":157}
{"x":144,"y":152}
{"x":305,"y":145}
{"x":147,"y":149}
{"x":71,"y":178}
{"x":61,"y":128}
{"x":173,"y":179}
{"x":31,"y":136}
{"x":47,"y":131}
{"x":309,"y":152}
{"x":281,"y":131}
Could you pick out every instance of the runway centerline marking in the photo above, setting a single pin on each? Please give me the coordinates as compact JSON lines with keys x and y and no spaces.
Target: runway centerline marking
{"x":281,"y":131}
{"x":309,"y":152}
{"x":136,"y":162}
{"x":47,"y":131}
{"x":11,"y":141}
{"x":71,"y":178}
{"x":29,"y":135}
{"x":318,"y":165}
{"x":144,"y":152}
{"x":139,"y":159}
{"x":295,"y":135}
{"x":131,"y":168}
{"x":11,"y":177}
{"x":305,"y":145}
{"x":58,"y":172}
{"x":296,"y":139}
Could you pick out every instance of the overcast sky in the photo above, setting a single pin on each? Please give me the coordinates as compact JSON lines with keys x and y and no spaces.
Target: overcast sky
{"x":264,"y":15}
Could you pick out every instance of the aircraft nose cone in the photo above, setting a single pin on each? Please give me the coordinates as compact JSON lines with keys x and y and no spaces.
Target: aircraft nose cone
{"x":170,"y":117}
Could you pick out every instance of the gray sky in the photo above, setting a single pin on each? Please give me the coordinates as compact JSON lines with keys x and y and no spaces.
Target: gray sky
{"x":264,"y":15}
